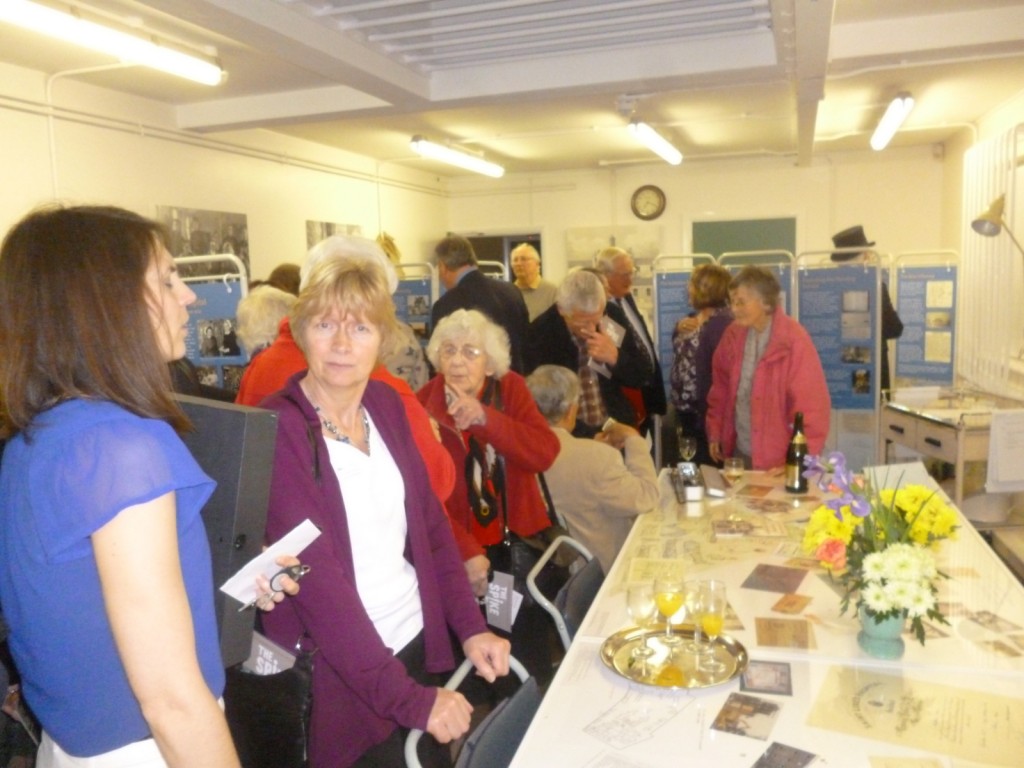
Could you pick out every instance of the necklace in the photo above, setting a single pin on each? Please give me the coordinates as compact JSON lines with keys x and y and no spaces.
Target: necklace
{"x":331,"y":427}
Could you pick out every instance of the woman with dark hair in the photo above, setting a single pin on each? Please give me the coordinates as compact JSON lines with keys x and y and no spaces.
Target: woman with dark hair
{"x":105,"y":570}
{"x":694,"y":342}
{"x":387,"y":590}
{"x":764,"y":370}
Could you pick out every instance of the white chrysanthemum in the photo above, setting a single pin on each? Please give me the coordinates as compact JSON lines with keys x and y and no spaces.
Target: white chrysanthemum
{"x":921,"y":601}
{"x":901,"y":563}
{"x":900,"y":593}
{"x":875,"y":598}
{"x":874,"y":567}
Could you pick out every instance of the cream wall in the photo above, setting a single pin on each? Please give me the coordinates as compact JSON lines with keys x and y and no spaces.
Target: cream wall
{"x":114,"y":149}
{"x":897,"y":195}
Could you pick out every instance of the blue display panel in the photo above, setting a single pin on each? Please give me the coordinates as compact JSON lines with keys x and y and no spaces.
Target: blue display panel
{"x":412,"y":305}
{"x":926,"y":303}
{"x":671,"y":303}
{"x":839,"y":309}
{"x":211,"y":343}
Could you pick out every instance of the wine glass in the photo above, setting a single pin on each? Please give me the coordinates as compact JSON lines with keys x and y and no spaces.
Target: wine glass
{"x":641,"y":608}
{"x":668,"y":594}
{"x":732,"y":469}
{"x":692,"y":602}
{"x":712,"y":618}
{"x":688,"y":447}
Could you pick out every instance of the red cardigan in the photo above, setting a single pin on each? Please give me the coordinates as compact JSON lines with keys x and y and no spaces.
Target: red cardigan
{"x":787,"y":379}
{"x":520,"y":434}
{"x":270,"y":370}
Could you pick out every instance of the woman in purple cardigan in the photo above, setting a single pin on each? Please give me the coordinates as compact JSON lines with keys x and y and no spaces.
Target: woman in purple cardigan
{"x":387,"y":583}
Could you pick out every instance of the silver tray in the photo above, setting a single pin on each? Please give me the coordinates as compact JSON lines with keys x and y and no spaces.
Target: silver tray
{"x":672,"y":667}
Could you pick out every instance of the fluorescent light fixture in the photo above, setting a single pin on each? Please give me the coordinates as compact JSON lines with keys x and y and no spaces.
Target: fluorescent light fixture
{"x":991,"y":222}
{"x":891,"y":121}
{"x":451,"y":156}
{"x":655,"y":142}
{"x":97,"y":37}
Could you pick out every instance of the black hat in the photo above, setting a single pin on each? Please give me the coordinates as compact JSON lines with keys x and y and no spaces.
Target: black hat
{"x":853,"y":237}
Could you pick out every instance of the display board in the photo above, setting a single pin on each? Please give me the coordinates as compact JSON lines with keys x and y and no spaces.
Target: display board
{"x":414,"y":298}
{"x":926,"y":300}
{"x":211,"y":342}
{"x":839,"y":308}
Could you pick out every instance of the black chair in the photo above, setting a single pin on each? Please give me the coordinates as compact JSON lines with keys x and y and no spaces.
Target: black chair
{"x":573,"y":600}
{"x":494,"y":742}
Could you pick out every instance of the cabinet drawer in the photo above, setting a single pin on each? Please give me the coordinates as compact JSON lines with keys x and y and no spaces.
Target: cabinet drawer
{"x":937,"y":440}
{"x":899,"y":428}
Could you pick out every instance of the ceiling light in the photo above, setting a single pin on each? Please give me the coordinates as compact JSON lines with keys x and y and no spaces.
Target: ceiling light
{"x":991,"y":222}
{"x":892,"y":120}
{"x":655,"y":142}
{"x":451,"y":156}
{"x":97,"y":37}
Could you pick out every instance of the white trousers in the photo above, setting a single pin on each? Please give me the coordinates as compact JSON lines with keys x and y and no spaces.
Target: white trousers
{"x":140,"y":754}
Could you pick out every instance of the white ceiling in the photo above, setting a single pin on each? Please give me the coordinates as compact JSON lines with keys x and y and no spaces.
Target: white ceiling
{"x":540,"y":85}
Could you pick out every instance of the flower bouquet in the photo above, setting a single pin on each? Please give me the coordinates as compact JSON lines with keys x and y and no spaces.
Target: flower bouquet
{"x":879,"y":542}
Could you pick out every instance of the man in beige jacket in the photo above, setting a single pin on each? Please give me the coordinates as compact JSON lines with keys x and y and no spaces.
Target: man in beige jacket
{"x":598,"y":486}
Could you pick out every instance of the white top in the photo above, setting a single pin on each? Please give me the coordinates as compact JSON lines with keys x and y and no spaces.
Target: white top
{"x":374,"y":495}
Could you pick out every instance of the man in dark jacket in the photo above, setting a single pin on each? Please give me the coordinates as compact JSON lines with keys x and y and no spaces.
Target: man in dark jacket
{"x":591,"y":336}
{"x":466,"y":287}
{"x":618,"y":269}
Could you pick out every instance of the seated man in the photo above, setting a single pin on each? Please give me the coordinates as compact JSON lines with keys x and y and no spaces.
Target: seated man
{"x":587,"y":334}
{"x":596,"y":491}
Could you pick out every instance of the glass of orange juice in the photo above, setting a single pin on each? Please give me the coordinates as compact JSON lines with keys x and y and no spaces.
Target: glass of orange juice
{"x":668,"y":596}
{"x":712,"y":617}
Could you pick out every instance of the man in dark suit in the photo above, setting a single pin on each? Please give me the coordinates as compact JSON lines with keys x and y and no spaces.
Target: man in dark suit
{"x":576,"y":333}
{"x":617,"y":267}
{"x":466,"y":287}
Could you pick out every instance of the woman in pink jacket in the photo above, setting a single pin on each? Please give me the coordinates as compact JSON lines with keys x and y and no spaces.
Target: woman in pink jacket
{"x":764,"y":370}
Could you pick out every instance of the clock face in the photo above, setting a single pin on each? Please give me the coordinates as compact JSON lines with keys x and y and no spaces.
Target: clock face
{"x":648,"y":202}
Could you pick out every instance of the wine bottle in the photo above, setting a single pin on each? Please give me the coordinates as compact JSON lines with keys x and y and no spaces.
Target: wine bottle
{"x":795,"y":480}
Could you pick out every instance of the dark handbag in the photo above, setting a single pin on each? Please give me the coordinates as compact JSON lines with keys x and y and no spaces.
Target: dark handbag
{"x":517,"y":555}
{"x":268,"y":715}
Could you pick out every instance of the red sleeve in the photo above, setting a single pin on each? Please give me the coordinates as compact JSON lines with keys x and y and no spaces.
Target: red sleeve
{"x":440,"y":467}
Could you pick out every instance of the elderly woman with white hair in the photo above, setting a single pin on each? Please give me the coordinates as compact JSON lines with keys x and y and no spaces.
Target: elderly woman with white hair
{"x":259,"y":317}
{"x":496,"y":436}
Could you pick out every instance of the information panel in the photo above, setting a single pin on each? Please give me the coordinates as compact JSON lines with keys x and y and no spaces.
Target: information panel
{"x":839,"y":308}
{"x":926,"y":302}
{"x":212,"y":344}
{"x":412,"y":305}
{"x":672,"y":304}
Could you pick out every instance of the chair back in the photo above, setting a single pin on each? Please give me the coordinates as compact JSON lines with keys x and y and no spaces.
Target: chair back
{"x":499,"y":733}
{"x":493,"y":743}
{"x":582,"y":596}
{"x":577,"y":594}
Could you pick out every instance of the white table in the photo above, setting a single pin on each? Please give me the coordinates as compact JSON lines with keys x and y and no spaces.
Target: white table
{"x":956,"y":700}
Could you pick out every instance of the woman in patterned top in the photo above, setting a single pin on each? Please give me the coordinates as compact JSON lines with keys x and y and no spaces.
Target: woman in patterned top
{"x":693,"y":342}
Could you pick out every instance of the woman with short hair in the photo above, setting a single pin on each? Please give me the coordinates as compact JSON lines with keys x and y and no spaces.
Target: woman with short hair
{"x":764,"y":370}
{"x":496,"y":436}
{"x":387,"y":584}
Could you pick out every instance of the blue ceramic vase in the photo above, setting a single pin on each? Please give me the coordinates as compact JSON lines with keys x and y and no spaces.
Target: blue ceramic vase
{"x":883,"y":640}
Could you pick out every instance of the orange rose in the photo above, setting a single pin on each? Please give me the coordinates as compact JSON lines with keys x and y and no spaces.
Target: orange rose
{"x":832,"y":554}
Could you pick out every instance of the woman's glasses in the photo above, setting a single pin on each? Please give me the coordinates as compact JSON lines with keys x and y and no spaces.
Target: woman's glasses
{"x":468,"y":352}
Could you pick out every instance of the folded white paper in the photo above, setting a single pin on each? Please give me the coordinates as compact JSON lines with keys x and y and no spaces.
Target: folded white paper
{"x":242,"y":586}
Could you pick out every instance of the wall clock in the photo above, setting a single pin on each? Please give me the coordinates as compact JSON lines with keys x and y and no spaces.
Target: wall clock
{"x":648,"y":202}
